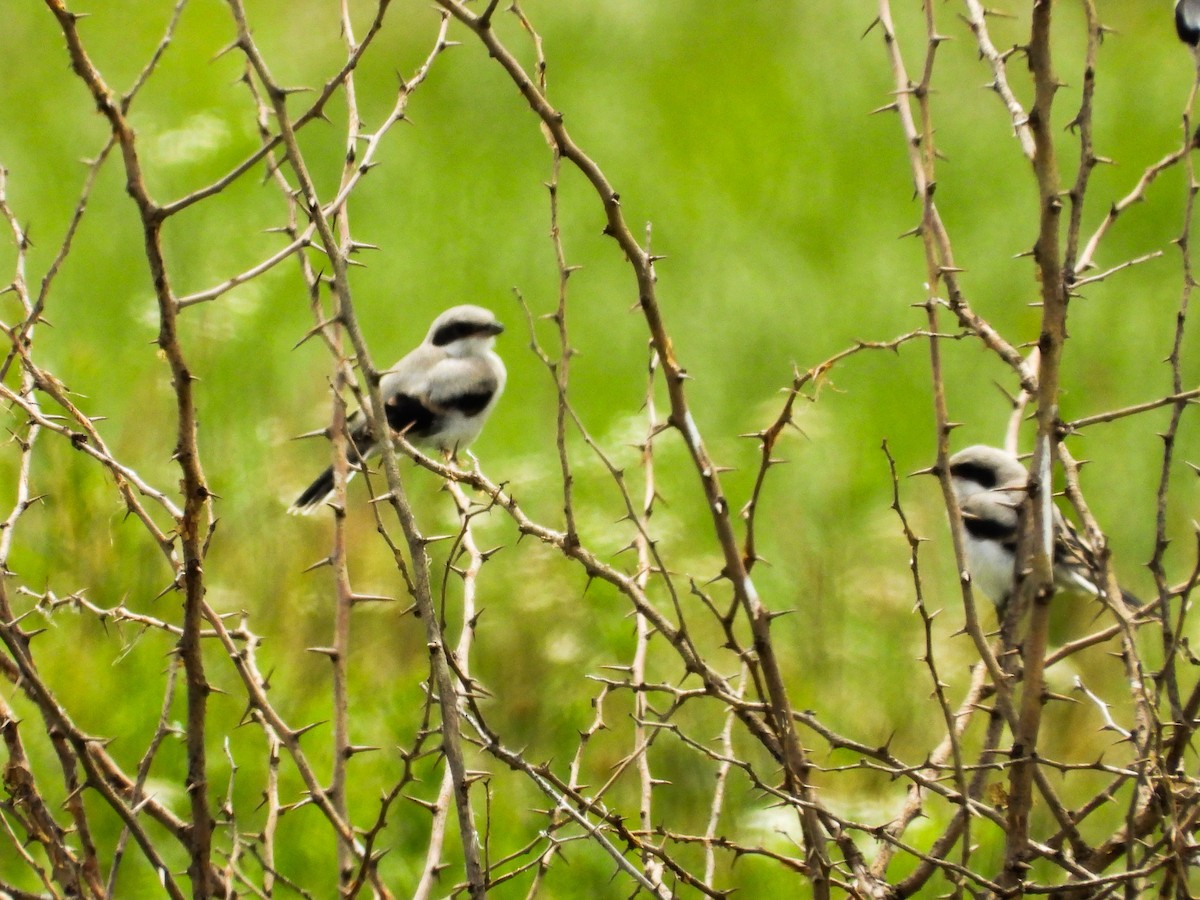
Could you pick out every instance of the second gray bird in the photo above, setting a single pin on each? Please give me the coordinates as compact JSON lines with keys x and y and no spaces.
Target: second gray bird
{"x":990,"y":485}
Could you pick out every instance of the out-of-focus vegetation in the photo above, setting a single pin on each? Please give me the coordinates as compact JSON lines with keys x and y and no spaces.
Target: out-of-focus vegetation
{"x":741,"y":132}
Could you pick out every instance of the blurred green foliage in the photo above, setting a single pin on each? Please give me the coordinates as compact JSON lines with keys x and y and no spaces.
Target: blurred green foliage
{"x":742,"y":133}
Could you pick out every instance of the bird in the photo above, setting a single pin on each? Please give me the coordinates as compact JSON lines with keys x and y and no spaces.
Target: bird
{"x":438,"y":396}
{"x":1187,"y":22}
{"x":990,"y":486}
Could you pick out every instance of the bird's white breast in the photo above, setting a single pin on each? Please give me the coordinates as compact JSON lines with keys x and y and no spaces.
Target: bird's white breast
{"x":991,"y":567}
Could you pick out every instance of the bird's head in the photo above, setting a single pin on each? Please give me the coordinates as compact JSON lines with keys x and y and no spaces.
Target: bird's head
{"x":464,"y":330}
{"x":981,"y":468}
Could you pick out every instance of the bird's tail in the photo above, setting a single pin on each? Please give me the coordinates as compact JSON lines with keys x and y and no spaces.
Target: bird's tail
{"x":321,"y":489}
{"x":314,"y":495}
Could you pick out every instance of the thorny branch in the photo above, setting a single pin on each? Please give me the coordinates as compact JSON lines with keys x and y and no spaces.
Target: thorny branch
{"x":706,"y":679}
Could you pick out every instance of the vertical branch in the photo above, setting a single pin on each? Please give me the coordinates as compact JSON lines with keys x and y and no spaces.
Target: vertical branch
{"x":939,"y":264}
{"x":234,"y":852}
{"x":191,"y":526}
{"x":343,"y":593}
{"x":955,"y":723}
{"x":271,"y":822}
{"x":21,"y":500}
{"x":1172,"y":631}
{"x":560,"y":368}
{"x":718,"y":798}
{"x":1087,"y":152}
{"x":444,"y":686}
{"x":337,"y":560}
{"x":1037,"y":590}
{"x":462,"y":667}
{"x":343,"y":607}
{"x":638,"y":670}
{"x":163,"y":728}
{"x":433,"y":866}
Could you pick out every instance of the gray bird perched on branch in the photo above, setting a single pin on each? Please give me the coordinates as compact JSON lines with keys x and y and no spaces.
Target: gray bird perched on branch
{"x":438,"y":396}
{"x":1187,"y":21}
{"x":990,"y":485}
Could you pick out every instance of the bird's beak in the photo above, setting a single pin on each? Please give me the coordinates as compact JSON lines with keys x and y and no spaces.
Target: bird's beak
{"x":495,"y":328}
{"x":932,"y":470}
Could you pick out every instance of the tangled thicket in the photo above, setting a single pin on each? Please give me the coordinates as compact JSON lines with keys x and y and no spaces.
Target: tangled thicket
{"x":80,"y":817}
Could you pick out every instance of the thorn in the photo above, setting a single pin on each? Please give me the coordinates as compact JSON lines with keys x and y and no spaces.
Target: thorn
{"x":424,"y":804}
{"x":226,"y":49}
{"x":371,"y":598}
{"x":305,"y":729}
{"x":315,"y":330}
{"x":320,"y":432}
{"x":173,"y":586}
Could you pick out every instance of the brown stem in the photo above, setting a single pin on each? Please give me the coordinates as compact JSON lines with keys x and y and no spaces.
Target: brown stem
{"x":1037,"y":590}
{"x":191,"y":526}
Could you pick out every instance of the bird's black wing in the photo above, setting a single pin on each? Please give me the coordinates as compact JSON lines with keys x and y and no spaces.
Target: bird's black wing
{"x":408,"y":415}
{"x":471,"y":403}
{"x":988,"y":519}
{"x":465,"y":386}
{"x":1070,"y":548}
{"x":412,"y":417}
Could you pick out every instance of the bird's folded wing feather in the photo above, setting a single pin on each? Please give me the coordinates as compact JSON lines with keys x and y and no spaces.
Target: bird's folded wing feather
{"x":464,"y":385}
{"x":994,"y":516}
{"x":451,"y":385}
{"x":1070,"y":549}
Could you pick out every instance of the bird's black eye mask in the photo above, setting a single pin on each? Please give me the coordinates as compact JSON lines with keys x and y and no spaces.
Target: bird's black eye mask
{"x":456,"y":331}
{"x":983,"y":476}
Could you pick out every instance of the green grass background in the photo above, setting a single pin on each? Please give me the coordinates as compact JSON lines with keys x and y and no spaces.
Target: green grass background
{"x":741,"y":131}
